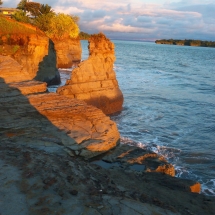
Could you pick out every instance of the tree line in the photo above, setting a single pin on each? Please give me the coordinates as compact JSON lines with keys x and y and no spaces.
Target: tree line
{"x":55,"y":25}
{"x":186,"y":42}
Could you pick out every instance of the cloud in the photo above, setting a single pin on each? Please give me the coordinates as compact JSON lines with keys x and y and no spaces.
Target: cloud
{"x":135,"y":19}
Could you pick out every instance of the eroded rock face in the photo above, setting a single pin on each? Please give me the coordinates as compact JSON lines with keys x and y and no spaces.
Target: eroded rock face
{"x":94,"y":80}
{"x":33,"y":52}
{"x":68,"y":52}
{"x":50,"y":119}
{"x":11,"y":70}
{"x":38,"y":58}
{"x":89,"y":131}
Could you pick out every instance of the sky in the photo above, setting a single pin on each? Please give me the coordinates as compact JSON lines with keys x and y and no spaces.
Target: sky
{"x":146,"y":20}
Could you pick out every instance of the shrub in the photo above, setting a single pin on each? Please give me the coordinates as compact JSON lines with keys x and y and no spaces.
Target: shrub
{"x":20,"y":16}
{"x":62,"y":26}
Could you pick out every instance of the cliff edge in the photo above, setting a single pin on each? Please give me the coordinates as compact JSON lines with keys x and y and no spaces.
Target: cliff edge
{"x":31,"y":49}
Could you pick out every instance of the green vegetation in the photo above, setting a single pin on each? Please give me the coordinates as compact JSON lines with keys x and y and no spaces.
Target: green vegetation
{"x":61,"y":26}
{"x":10,"y":27}
{"x":20,"y":16}
{"x":56,"y":26}
{"x":15,"y":49}
{"x":187,"y":42}
{"x":45,"y":9}
{"x":21,"y":5}
{"x":83,"y":36}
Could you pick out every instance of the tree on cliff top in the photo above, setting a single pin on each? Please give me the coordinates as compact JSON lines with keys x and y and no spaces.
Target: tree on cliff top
{"x":62,"y":26}
{"x":33,"y":8}
{"x":21,"y":5}
{"x":1,"y":2}
{"x":45,"y":9}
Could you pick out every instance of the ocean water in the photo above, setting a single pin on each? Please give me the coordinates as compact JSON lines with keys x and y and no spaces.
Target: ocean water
{"x":169,"y":104}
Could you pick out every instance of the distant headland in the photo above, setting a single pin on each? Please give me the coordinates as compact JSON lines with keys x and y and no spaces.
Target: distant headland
{"x":187,"y":42}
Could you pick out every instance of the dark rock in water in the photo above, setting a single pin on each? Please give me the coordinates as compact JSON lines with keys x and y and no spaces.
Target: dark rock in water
{"x":131,"y":155}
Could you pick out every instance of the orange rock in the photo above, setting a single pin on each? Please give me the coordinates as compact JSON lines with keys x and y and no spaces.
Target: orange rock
{"x":89,"y":132}
{"x":33,"y":53}
{"x":68,"y":52}
{"x":29,"y":87}
{"x":195,"y":188}
{"x":167,"y":169}
{"x":94,"y":80}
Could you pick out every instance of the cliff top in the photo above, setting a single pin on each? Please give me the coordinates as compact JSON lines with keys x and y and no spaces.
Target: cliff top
{"x":9,"y":26}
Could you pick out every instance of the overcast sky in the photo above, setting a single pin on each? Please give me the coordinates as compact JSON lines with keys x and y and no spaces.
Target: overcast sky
{"x":140,"y":19}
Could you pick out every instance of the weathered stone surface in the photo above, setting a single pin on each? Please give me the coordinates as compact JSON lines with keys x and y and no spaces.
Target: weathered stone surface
{"x":37,"y":182}
{"x":68,"y":52}
{"x":29,"y":87}
{"x":94,"y":80}
{"x":34,"y":52}
{"x":84,"y":130}
{"x":11,"y":70}
{"x":93,"y":132}
{"x":149,"y":161}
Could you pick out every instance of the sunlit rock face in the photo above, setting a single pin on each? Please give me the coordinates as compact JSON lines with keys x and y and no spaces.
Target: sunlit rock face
{"x":68,"y":52}
{"x":94,"y":80}
{"x":33,"y":54}
{"x":38,"y":58}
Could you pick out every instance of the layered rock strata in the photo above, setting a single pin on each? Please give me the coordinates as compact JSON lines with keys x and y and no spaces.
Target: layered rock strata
{"x":49,"y":119}
{"x":68,"y":52}
{"x":94,"y":80}
{"x":33,"y":51}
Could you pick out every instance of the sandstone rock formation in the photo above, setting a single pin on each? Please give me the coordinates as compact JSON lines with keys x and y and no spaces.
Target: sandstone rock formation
{"x":88,"y":131}
{"x":33,"y":51}
{"x":51,"y":119}
{"x":68,"y":52}
{"x":11,"y":70}
{"x":94,"y":80}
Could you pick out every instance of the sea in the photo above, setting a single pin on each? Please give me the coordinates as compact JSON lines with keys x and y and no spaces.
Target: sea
{"x":169,"y":104}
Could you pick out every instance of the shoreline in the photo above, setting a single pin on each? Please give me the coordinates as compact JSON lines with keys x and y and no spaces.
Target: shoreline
{"x":50,"y":180}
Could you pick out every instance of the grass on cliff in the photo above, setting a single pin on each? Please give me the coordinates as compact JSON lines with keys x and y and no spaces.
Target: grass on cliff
{"x":12,"y":27}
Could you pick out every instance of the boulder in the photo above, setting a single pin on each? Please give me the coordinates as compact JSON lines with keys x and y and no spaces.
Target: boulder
{"x":94,"y":80}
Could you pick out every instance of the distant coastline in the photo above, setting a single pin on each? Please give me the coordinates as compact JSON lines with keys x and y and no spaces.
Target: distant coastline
{"x":187,"y":42}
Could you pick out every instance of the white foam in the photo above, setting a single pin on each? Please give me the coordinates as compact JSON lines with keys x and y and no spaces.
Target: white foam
{"x":208,"y":188}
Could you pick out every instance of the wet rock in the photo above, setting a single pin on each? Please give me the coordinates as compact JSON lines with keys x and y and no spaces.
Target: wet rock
{"x":148,"y":160}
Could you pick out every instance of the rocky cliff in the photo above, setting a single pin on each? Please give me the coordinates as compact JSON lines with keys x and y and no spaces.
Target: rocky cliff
{"x":94,"y":80}
{"x":68,"y":52}
{"x":31,"y":49}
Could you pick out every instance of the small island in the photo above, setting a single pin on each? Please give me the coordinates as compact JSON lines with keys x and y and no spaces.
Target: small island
{"x":186,"y":42}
